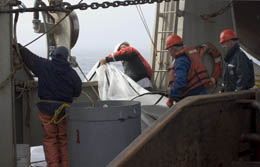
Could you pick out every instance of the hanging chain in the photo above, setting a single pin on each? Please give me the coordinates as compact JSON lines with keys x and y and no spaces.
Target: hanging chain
{"x":219,"y":12}
{"x":67,"y":7}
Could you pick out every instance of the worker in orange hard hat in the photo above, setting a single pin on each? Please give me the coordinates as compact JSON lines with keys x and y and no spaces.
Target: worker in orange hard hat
{"x":188,"y":75}
{"x":135,"y":66}
{"x":238,"y":68}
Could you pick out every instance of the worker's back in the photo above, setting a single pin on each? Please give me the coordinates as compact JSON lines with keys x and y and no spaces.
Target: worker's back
{"x":56,"y":79}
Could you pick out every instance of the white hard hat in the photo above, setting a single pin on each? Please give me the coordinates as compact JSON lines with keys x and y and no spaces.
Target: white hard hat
{"x":118,"y":46}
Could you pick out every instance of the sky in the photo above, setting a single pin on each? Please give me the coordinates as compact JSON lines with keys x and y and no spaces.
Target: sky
{"x":100,"y":31}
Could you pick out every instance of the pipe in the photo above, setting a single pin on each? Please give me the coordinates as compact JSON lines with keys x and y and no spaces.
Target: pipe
{"x":36,"y":14}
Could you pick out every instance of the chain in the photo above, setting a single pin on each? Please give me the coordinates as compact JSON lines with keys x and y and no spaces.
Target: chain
{"x":219,"y":12}
{"x":66,"y":7}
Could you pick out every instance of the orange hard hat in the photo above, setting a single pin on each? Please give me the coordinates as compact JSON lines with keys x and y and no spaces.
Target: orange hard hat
{"x":173,"y":40}
{"x":226,"y":35}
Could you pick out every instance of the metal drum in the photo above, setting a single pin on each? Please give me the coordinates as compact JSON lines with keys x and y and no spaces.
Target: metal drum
{"x":97,"y":134}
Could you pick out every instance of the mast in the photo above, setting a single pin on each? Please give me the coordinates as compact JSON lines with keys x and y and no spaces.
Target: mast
{"x":7,"y":128}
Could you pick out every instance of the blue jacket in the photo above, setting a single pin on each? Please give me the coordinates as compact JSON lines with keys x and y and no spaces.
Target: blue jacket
{"x":181,"y":69}
{"x":56,"y":79}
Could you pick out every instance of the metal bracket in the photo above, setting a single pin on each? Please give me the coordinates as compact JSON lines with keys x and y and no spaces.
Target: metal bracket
{"x":180,"y":13}
{"x":38,"y":26}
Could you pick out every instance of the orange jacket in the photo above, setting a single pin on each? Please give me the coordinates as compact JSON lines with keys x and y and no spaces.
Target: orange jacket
{"x":197,"y":74}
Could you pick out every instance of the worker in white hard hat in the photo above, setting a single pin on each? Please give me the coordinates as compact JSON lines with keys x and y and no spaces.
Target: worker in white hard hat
{"x":135,"y":66}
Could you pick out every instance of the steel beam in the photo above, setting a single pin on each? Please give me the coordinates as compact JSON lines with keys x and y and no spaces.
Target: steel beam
{"x":7,"y":139}
{"x":197,"y":131}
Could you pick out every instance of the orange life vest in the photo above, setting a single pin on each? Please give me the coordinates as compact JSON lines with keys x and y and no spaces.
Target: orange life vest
{"x":197,"y":74}
{"x":209,"y":48}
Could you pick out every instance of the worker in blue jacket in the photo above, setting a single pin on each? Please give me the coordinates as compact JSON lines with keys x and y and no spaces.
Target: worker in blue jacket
{"x":189,"y":76}
{"x":58,"y":83}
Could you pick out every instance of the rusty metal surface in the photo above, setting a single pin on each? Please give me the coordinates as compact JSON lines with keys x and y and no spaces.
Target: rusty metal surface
{"x":250,"y":137}
{"x":257,"y":127}
{"x":201,"y":131}
{"x":245,"y":164}
{"x":247,"y":19}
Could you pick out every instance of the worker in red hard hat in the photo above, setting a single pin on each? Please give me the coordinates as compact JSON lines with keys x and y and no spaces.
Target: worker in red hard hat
{"x":238,"y":68}
{"x":135,"y":66}
{"x":188,"y":75}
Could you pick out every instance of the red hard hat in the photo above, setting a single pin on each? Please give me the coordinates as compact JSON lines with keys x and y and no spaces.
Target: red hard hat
{"x":173,"y":40}
{"x":226,"y":35}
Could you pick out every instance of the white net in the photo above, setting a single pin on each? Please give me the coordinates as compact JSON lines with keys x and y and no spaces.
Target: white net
{"x":115,"y":85}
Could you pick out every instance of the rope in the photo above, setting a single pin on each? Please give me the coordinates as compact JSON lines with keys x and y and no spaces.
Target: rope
{"x":17,"y":47}
{"x":46,"y":32}
{"x":22,"y":91}
{"x":37,"y":162}
{"x":56,"y":115}
{"x":89,"y":97}
{"x":152,"y":93}
{"x":94,"y":90}
{"x":28,"y":111}
{"x":10,"y":76}
{"x":218,"y":12}
{"x":15,"y":36}
{"x":55,"y":25}
{"x":57,"y":112}
{"x":146,"y":27}
{"x":147,"y":30}
{"x":53,"y":101}
{"x":139,"y":9}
